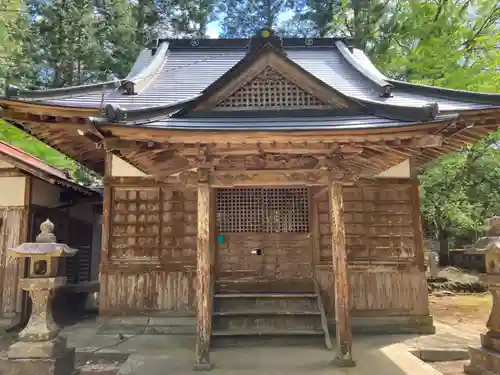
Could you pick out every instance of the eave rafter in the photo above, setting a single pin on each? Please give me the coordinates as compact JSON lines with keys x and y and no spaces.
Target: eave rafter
{"x":235,"y":164}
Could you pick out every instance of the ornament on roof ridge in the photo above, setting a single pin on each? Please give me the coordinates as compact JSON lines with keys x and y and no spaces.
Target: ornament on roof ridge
{"x":263,"y":37}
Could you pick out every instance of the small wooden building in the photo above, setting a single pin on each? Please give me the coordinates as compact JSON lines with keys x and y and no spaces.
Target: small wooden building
{"x":243,"y":169}
{"x":30,"y":192}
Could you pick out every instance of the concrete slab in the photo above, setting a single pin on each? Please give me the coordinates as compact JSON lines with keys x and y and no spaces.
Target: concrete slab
{"x":446,"y":337}
{"x":174,"y":354}
{"x":372,"y":357}
{"x":440,"y":354}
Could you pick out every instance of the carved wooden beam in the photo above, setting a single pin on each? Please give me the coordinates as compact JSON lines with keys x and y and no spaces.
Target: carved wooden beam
{"x":431,"y":140}
{"x":277,"y":177}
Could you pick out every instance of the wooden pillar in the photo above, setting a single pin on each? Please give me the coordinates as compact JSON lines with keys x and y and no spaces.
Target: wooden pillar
{"x":203,"y":279}
{"x":342,"y":314}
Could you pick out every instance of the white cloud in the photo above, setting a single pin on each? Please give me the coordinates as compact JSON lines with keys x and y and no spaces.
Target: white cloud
{"x":213,"y":30}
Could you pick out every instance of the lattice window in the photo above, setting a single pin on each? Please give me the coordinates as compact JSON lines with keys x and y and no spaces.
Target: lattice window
{"x":263,"y":210}
{"x":270,"y":90}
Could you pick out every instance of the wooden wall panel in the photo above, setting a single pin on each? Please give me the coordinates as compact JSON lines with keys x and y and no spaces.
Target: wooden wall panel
{"x":11,"y":230}
{"x":127,"y":292}
{"x":377,"y":292}
{"x":383,"y":247}
{"x":285,"y":256}
{"x":380,"y":222}
{"x":150,"y":263}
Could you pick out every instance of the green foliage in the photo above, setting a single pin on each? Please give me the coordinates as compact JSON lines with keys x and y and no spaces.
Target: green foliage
{"x":26,"y":142}
{"x":55,"y":43}
{"x":242,"y":18}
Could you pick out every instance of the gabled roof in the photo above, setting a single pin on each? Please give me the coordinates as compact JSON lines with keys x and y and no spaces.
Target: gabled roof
{"x":178,"y":69}
{"x":169,"y":80}
{"x":36,"y":167}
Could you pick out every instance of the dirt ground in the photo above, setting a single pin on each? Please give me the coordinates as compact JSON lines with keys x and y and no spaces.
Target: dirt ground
{"x":467,"y":310}
{"x":471,"y":310}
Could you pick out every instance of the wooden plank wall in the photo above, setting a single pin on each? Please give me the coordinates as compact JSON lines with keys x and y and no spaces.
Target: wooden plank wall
{"x":149,"y":255}
{"x":384,"y":249}
{"x":11,"y":232}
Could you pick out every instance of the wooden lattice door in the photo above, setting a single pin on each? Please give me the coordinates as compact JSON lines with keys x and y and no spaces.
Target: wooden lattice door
{"x":263,"y":235}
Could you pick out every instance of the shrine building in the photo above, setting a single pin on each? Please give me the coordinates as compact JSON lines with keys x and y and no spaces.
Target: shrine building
{"x":266,"y":186}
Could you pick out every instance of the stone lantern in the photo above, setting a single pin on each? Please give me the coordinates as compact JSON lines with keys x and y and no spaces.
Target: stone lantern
{"x":486,"y":359}
{"x":40,"y":349}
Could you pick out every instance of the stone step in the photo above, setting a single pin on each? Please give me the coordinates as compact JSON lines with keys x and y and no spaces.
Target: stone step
{"x":265,"y":302}
{"x":251,"y":318}
{"x":265,"y":312}
{"x":245,"y":338}
{"x":267,"y":322}
{"x":264,"y":286}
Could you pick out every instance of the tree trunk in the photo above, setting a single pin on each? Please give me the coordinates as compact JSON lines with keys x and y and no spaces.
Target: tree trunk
{"x":444,"y":257}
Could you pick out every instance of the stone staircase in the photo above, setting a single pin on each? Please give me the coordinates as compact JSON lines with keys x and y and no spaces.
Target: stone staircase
{"x":269,"y":318}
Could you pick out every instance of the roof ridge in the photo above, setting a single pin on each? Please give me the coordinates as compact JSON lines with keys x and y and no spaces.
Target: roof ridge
{"x":377,"y":79}
{"x":14,"y":92}
{"x":449,"y":93}
{"x":457,"y":94}
{"x":134,"y":85}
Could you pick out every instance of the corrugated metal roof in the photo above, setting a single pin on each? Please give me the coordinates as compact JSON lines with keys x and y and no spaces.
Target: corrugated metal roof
{"x":25,"y":161}
{"x":284,"y":123}
{"x":187,"y":72}
{"x":32,"y":161}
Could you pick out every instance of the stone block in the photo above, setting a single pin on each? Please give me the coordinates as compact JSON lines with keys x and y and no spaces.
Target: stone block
{"x":483,"y":362}
{"x":34,"y":350}
{"x":61,"y":364}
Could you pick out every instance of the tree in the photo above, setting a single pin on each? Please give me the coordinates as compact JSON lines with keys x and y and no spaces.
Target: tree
{"x":242,"y":18}
{"x":118,"y":38}
{"x":459,"y":191}
{"x":15,"y":62}
{"x":64,"y":44}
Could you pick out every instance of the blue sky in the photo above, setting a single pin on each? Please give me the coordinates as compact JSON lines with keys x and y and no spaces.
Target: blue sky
{"x":213,"y":28}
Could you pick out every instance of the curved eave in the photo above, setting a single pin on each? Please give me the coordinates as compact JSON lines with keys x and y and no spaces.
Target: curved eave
{"x":22,"y":106}
{"x":423,"y":113}
{"x":489,"y":99}
{"x":14,"y":92}
{"x":446,"y":93}
{"x":134,"y":85}
{"x":116,"y":114}
{"x":376,"y":78}
{"x":71,"y":145}
{"x":252,"y":127}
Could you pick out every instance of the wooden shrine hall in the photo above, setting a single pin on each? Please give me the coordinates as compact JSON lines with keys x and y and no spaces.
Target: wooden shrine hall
{"x":266,"y":186}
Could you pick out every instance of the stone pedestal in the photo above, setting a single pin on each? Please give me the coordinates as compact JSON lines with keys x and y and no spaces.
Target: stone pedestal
{"x":41,"y":326}
{"x":433,"y":265}
{"x":40,"y":350}
{"x":486,"y":359}
{"x":40,"y":358}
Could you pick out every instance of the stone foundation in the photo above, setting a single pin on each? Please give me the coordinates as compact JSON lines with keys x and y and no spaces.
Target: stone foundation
{"x":62,"y":362}
{"x":423,"y":324}
{"x":187,"y":325}
{"x":486,"y":359}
